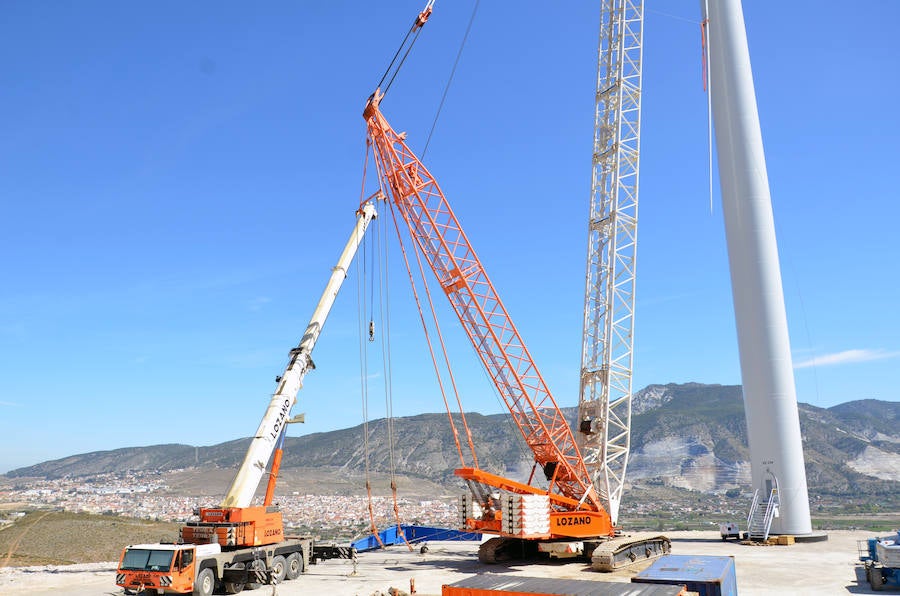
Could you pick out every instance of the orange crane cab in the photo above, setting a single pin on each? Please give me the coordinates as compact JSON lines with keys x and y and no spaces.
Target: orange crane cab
{"x":201,"y":569}
{"x":167,"y":567}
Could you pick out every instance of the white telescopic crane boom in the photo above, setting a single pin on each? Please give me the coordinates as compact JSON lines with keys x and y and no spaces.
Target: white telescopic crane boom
{"x":265,"y":440}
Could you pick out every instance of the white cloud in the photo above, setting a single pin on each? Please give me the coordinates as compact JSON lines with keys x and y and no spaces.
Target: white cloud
{"x":846,"y":357}
{"x":8,"y":404}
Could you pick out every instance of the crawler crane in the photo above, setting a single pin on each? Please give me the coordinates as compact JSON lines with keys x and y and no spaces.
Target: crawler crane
{"x":568,"y":518}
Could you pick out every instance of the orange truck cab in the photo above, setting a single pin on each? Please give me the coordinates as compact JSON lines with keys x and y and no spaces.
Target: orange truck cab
{"x":167,"y":568}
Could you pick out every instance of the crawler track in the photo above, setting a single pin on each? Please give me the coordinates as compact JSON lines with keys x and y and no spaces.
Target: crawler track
{"x":607,"y":555}
{"x":623,"y":551}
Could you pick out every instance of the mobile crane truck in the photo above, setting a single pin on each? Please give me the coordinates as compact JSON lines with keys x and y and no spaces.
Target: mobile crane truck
{"x":236,"y":546}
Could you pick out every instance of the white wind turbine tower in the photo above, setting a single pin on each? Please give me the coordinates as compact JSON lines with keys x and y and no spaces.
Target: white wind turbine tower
{"x":770,"y":401}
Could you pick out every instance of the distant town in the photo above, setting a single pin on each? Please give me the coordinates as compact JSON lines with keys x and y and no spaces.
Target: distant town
{"x":146,"y":495}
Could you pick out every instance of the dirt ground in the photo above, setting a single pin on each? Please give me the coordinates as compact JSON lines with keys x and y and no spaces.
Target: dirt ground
{"x":829,"y":567}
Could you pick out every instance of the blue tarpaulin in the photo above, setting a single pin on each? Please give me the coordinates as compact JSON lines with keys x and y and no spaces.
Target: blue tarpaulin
{"x":413,"y":534}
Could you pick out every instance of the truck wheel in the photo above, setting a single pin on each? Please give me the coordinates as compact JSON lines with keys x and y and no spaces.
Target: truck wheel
{"x":293,"y":566}
{"x":206,"y":583}
{"x":876,"y":579}
{"x":279,"y":569}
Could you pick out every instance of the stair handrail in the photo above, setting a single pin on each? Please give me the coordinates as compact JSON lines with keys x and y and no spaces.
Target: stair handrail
{"x":770,"y":511}
{"x":753,"y":506}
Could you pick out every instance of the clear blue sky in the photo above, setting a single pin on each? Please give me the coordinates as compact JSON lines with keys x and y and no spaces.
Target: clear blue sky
{"x":176,"y":180}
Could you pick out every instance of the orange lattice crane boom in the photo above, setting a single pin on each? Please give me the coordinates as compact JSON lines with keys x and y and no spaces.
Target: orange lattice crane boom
{"x":566,"y":517}
{"x":415,"y":194}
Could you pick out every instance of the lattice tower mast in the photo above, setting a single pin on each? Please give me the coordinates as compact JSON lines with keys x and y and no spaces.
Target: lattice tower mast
{"x":604,"y":404}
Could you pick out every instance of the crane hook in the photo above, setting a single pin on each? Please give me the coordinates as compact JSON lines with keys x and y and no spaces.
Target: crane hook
{"x":371,"y":330}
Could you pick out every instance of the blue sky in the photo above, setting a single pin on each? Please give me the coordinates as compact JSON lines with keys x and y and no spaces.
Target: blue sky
{"x":177,"y":179}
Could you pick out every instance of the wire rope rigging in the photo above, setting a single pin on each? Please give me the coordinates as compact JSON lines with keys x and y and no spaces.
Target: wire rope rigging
{"x":376,"y":265}
{"x":374,"y":276}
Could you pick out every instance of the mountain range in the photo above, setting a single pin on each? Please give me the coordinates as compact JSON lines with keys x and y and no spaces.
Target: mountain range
{"x":690,"y":436}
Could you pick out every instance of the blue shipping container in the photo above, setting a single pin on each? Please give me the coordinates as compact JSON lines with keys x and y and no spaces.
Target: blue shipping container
{"x":706,"y":575}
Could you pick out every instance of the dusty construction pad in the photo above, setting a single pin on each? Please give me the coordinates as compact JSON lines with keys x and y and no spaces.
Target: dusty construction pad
{"x":828,"y":567}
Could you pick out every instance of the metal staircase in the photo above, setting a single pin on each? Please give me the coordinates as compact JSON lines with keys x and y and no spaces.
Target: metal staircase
{"x":759,"y":521}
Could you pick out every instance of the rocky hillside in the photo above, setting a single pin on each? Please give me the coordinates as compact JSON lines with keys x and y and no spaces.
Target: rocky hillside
{"x":692,"y":436}
{"x":689,"y":436}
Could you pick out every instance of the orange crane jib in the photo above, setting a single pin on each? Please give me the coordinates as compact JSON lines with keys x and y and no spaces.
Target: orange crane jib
{"x":440,"y":238}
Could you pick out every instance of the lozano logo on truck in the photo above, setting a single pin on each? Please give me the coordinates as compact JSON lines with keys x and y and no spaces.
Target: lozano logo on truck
{"x":279,"y":422}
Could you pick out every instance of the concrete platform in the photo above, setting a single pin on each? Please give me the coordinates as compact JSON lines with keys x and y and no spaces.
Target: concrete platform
{"x":811,"y":537}
{"x":823,"y":567}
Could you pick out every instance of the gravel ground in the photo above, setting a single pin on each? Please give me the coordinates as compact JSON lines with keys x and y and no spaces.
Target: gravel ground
{"x":828,"y":567}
